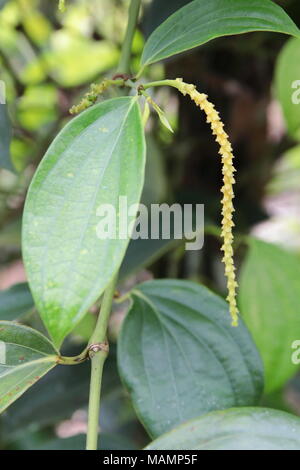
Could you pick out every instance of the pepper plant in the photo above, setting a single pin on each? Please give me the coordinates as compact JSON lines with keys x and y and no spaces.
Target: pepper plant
{"x":183,"y":352}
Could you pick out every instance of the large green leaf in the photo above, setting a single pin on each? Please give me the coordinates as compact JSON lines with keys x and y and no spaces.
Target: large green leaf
{"x":202,"y":20}
{"x":269,"y":303}
{"x":235,"y":429}
{"x":25,"y":356}
{"x":5,"y":134}
{"x":179,"y":356}
{"x":15,"y":302}
{"x":96,"y":158}
{"x":287,"y":85}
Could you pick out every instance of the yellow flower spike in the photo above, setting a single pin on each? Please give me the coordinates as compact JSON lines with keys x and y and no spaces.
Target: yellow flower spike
{"x":217,"y":126}
{"x":90,"y":98}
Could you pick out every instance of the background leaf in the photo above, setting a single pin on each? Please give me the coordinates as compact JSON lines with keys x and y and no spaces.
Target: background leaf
{"x":10,"y":236}
{"x":286,"y":175}
{"x":2,"y":3}
{"x":67,"y":49}
{"x":159,"y":11}
{"x":141,"y":253}
{"x":269,"y":303}
{"x":15,"y":302}
{"x":287,"y":72}
{"x":5,"y":133}
{"x":96,"y":158}
{"x":63,"y":395}
{"x":200,"y":21}
{"x":179,"y":356}
{"x":77,"y":442}
{"x":235,"y":429}
{"x":25,"y":356}
{"x":155,"y":171}
{"x":56,"y":397}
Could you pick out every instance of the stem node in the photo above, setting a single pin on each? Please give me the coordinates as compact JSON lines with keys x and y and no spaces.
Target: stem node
{"x":97,"y":347}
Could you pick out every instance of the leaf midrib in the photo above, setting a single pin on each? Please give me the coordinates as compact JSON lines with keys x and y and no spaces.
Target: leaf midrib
{"x":12,"y":369}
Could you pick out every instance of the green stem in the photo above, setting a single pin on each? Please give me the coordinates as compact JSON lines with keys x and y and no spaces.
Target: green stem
{"x":98,"y":351}
{"x":72,"y":361}
{"x":173,"y":83}
{"x":124,"y":64}
{"x":97,"y":363}
{"x":99,"y":334}
{"x":97,"y":347}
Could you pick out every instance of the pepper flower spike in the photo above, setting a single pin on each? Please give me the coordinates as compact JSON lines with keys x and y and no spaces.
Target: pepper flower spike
{"x":228,"y":170}
{"x":96,"y":89}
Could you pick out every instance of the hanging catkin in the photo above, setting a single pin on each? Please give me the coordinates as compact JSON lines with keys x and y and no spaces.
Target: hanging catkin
{"x":228,"y":170}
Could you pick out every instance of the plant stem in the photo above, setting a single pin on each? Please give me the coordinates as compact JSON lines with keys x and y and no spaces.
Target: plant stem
{"x":98,"y":352}
{"x":99,"y":334}
{"x":98,"y":348}
{"x":124,"y":64}
{"x":172,"y":83}
{"x":97,"y":363}
{"x":71,"y":361}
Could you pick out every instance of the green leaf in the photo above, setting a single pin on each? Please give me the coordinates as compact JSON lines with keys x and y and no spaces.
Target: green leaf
{"x":59,"y":395}
{"x":5,"y":134}
{"x":15,"y":302}
{"x":179,"y":356}
{"x":286,"y":175}
{"x":202,"y":20}
{"x":25,"y":356}
{"x":269,"y":303}
{"x":55,"y":399}
{"x":235,"y":429}
{"x":97,"y":157}
{"x":287,"y":85}
{"x":162,"y":117}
